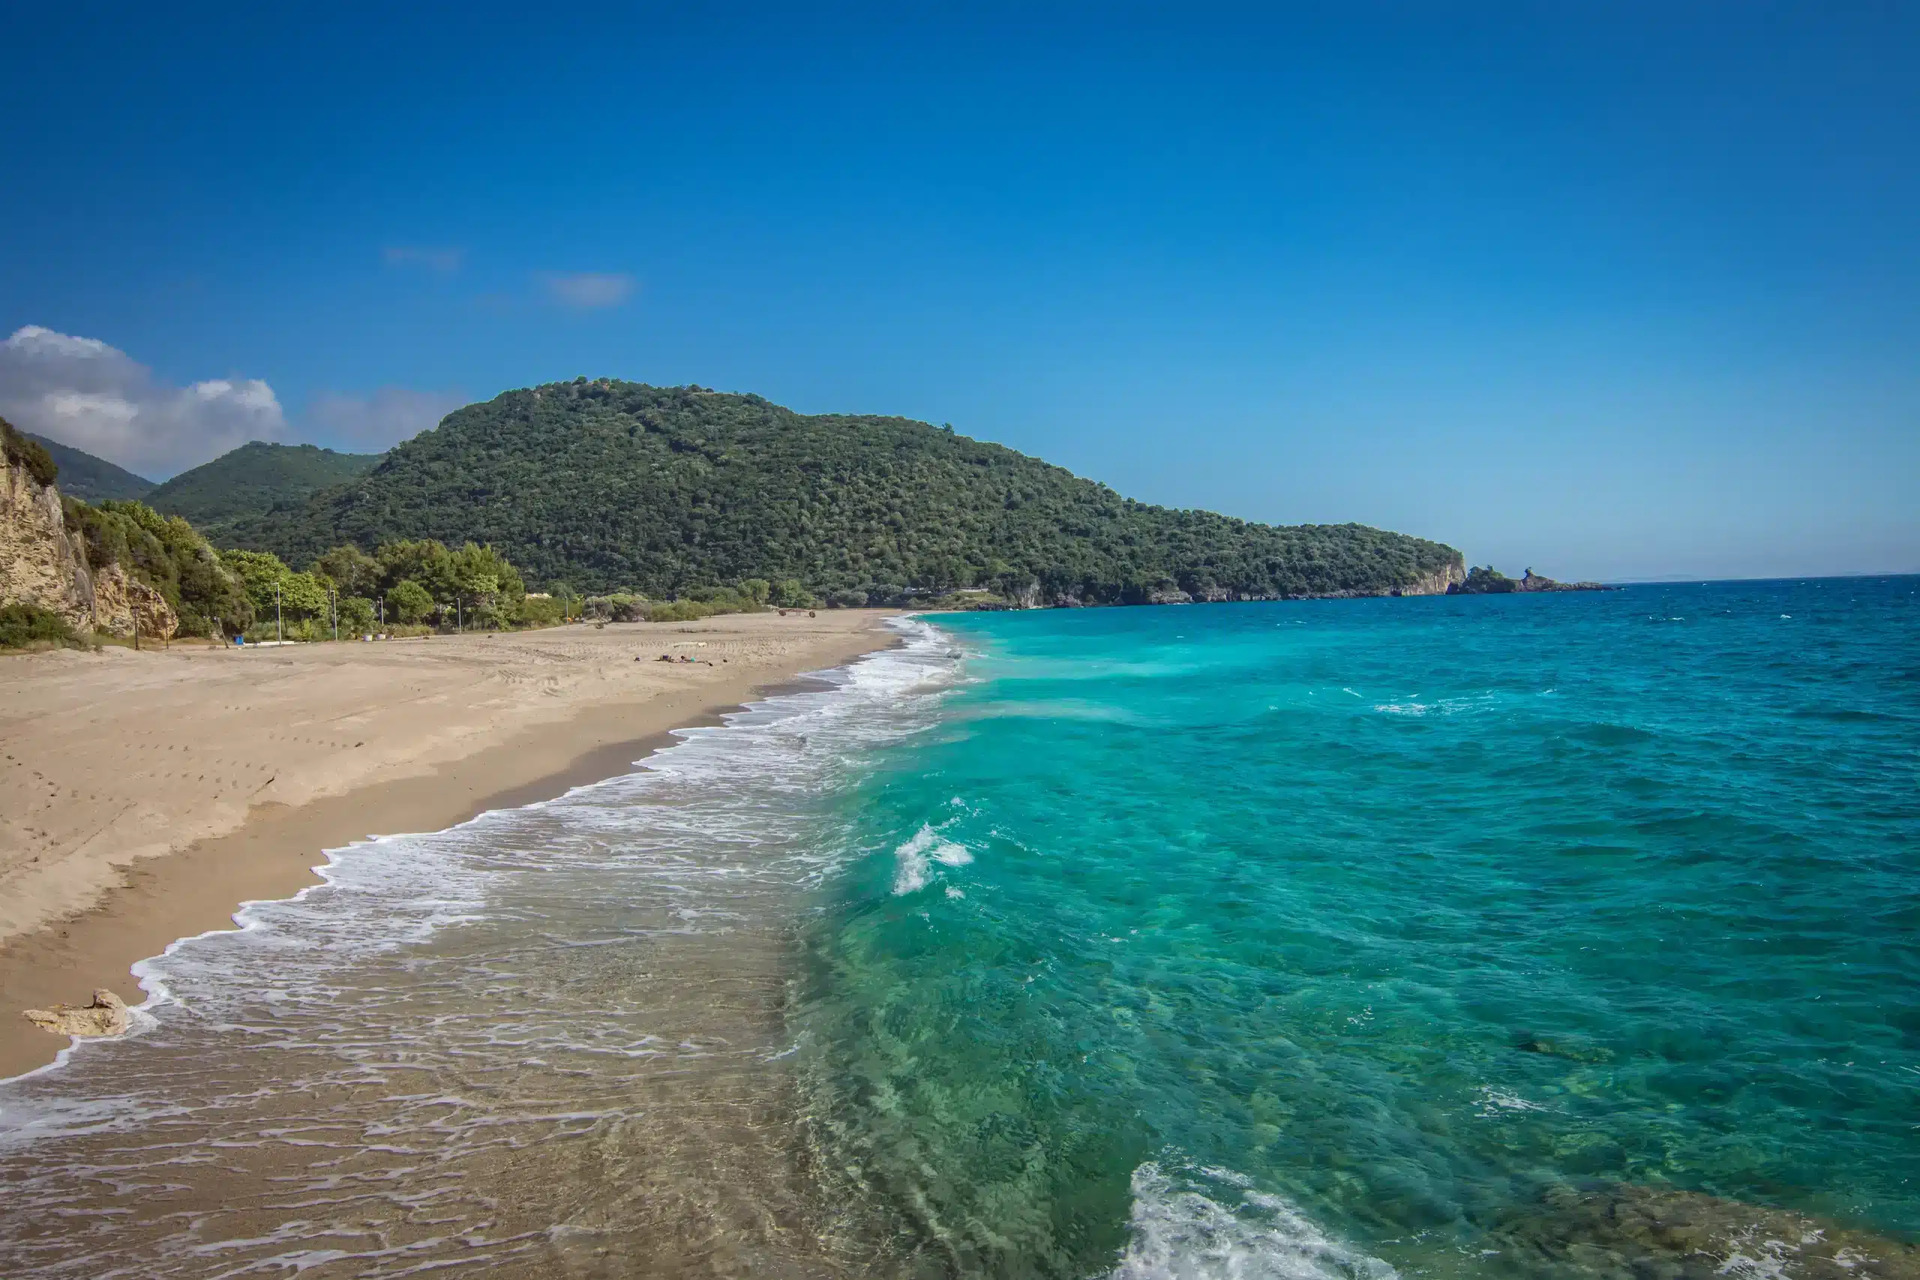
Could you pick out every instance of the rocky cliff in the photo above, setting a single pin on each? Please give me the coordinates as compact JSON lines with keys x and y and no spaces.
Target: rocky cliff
{"x":44,"y":563}
{"x":39,"y":563}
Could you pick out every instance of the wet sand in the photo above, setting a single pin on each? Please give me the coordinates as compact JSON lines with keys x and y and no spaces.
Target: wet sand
{"x":143,"y":797}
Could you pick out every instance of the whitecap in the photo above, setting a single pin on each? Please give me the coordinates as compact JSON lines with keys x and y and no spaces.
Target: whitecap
{"x":914,"y":859}
{"x":1212,"y":1222}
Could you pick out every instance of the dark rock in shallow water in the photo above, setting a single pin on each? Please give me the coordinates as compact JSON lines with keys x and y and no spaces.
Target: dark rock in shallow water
{"x":1631,"y":1232}
{"x":1571,"y":1051}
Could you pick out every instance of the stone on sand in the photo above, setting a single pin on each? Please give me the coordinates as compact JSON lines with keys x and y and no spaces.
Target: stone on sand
{"x":106,"y":1016}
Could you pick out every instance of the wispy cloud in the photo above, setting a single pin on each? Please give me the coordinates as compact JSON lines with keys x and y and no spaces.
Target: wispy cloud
{"x":381,"y":420}
{"x":588,"y":290}
{"x":91,"y":395}
{"x":443,"y":261}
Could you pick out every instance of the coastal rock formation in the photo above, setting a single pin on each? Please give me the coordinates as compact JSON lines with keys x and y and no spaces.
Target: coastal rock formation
{"x":106,"y":1016}
{"x":1632,"y":1231}
{"x":1440,"y":582}
{"x":119,"y":601}
{"x":1485,"y":580}
{"x":41,"y":563}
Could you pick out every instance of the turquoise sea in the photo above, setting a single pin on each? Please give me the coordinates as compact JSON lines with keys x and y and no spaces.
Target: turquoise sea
{"x":1569,"y":935}
{"x":1329,"y":934}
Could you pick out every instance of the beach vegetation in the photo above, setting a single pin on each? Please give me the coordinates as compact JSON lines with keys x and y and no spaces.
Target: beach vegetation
{"x":356,"y":615}
{"x":539,"y":611}
{"x":408,"y":602}
{"x":167,"y":554}
{"x":349,"y":569}
{"x":28,"y":626}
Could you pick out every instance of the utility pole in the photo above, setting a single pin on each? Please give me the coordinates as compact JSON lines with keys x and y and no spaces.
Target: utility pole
{"x":459,"y":616}
{"x":333,"y":605}
{"x":278,"y":632}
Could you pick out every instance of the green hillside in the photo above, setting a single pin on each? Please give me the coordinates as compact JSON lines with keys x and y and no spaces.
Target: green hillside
{"x":92,"y":479}
{"x":252,"y":480}
{"x":606,"y":485}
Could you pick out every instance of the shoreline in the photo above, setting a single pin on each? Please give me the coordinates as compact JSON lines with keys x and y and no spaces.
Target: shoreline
{"x":273,"y":851}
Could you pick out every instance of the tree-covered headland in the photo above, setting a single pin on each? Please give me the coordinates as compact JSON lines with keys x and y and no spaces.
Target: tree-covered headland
{"x":619,"y":487}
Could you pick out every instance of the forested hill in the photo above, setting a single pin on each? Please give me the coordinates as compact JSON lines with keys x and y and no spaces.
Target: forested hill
{"x":607,"y":485}
{"x":82,"y":475}
{"x":248,"y":482}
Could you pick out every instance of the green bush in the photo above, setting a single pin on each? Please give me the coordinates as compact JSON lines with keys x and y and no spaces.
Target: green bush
{"x":356,"y":616}
{"x":22,"y":625}
{"x":349,"y":569}
{"x":538,"y":611}
{"x":167,"y":554}
{"x":31,"y":454}
{"x":621,"y":606}
{"x":679,"y":611}
{"x":408,"y":602}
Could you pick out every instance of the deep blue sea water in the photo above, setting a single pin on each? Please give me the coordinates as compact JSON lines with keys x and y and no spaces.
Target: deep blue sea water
{"x":1308,"y":938}
{"x":1569,"y":937}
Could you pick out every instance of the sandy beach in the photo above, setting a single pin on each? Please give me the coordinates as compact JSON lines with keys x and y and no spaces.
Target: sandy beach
{"x":143,"y":796}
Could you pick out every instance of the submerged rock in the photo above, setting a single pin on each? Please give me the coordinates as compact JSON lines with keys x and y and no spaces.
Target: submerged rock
{"x":1658,"y":1233}
{"x":106,"y":1016}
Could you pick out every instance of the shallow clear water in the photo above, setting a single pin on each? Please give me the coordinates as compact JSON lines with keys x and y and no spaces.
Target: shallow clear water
{"x":1552,"y":936}
{"x":1394,"y":923}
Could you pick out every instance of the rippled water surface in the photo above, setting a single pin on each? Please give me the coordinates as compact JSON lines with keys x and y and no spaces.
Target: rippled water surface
{"x":1530,"y":936}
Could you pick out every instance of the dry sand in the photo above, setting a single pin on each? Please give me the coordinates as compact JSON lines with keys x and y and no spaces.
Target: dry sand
{"x":143,"y":796}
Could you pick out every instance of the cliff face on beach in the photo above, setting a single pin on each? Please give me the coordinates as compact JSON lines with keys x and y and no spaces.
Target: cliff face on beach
{"x":40,"y":564}
{"x":44,"y":563}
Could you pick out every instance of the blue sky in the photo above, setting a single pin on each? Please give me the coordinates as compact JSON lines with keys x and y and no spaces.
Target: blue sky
{"x":1614,"y":290}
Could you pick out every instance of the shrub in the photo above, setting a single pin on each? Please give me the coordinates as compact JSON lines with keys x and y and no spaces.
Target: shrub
{"x":167,"y":554}
{"x":536,"y":611}
{"x":31,"y":454}
{"x":847,"y":599}
{"x":409,"y":602}
{"x":22,"y":625}
{"x":622,"y":606}
{"x":679,"y":611}
{"x":790,"y":593}
{"x":356,"y":616}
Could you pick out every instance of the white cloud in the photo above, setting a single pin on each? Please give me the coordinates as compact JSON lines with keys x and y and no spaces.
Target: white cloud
{"x":85,"y":393}
{"x":444,"y":261}
{"x":588,"y":290}
{"x":379,"y":421}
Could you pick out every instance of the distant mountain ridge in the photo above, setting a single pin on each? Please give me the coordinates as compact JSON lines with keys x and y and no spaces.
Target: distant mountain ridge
{"x":606,"y":485}
{"x":250,"y":482}
{"x":91,"y":478}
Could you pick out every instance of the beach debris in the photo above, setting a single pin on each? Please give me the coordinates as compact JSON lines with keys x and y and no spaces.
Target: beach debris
{"x":106,"y":1016}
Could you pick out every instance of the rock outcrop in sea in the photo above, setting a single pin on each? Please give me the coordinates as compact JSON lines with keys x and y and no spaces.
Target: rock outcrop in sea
{"x":1485,"y":580}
